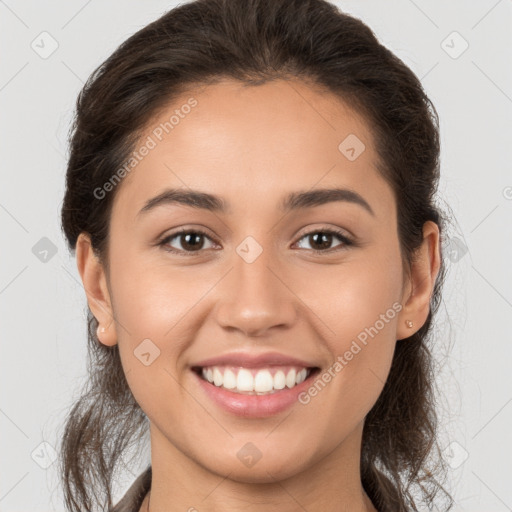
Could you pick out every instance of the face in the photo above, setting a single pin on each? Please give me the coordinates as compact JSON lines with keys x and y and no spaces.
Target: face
{"x":320,"y":281}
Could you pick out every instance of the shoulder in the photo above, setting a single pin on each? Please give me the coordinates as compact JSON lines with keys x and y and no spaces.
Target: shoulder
{"x":132,"y":500}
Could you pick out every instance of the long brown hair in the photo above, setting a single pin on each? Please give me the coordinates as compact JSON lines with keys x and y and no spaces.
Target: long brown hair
{"x":255,"y":41}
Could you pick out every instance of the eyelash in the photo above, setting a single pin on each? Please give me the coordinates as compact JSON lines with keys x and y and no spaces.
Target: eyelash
{"x":346,"y":241}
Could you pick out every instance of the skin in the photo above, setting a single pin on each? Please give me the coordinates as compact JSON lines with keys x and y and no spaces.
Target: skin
{"x":252,"y":145}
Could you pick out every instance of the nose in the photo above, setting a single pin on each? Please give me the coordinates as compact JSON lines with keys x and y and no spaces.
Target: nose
{"x":256,"y":297}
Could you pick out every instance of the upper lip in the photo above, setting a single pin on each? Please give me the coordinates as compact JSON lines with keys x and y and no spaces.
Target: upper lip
{"x":252,"y":360}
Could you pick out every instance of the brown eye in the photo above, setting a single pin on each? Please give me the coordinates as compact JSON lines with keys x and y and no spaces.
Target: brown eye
{"x":321,"y":240}
{"x":193,"y":241}
{"x":190,"y":241}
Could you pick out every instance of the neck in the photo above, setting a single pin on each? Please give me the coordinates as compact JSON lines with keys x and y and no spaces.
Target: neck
{"x":331,"y":484}
{"x":146,"y":504}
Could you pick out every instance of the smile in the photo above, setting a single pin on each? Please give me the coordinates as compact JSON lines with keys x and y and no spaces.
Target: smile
{"x":255,"y":381}
{"x":281,"y":387}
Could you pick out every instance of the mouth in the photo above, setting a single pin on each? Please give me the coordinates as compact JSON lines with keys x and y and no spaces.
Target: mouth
{"x":267,"y":380}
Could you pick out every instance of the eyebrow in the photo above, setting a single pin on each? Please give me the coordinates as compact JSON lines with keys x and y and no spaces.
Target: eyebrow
{"x":291,"y":202}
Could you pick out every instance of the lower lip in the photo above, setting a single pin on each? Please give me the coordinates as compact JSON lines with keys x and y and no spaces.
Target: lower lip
{"x":254,"y":406}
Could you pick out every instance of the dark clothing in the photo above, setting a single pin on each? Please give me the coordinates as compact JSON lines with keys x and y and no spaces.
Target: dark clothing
{"x":132,"y":500}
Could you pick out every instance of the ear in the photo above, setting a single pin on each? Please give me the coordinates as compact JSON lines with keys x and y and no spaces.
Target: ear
{"x":420,"y":285}
{"x":95,"y":284}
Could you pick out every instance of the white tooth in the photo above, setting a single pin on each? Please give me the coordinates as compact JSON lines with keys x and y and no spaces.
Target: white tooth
{"x":290,"y":378}
{"x":279,"y":380}
{"x":301,"y":376}
{"x":217,"y":377}
{"x":244,"y":380}
{"x":263,"y":381}
{"x":229,"y":379}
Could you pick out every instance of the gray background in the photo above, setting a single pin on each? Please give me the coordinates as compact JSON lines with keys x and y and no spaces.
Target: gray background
{"x":42,"y":301}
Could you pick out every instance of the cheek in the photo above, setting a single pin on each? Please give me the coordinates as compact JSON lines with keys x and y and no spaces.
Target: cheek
{"x":353,"y":296}
{"x":360,"y":310}
{"x":150,"y":302}
{"x":152,"y":295}
{"x":358,"y":305}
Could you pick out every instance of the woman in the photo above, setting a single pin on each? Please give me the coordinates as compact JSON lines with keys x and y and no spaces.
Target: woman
{"x":250,"y":194}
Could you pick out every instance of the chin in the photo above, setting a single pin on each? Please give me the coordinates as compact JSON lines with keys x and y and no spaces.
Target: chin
{"x":267,"y":469}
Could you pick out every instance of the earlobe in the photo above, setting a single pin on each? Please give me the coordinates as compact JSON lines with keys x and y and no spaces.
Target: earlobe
{"x":95,"y":285}
{"x":424,"y":272}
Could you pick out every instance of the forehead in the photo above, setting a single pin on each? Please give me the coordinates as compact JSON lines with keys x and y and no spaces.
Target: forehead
{"x":254,"y":143}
